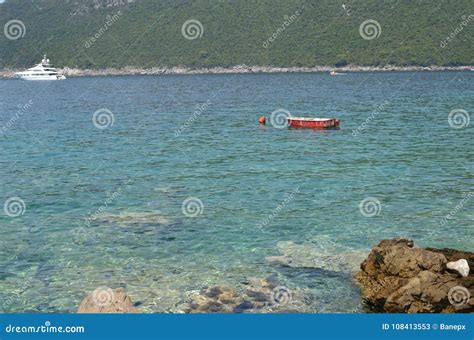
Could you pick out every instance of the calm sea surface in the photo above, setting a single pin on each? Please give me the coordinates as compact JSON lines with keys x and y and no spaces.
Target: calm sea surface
{"x":89,"y":205}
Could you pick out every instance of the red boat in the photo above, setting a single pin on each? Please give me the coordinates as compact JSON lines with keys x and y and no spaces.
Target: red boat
{"x":313,"y":123}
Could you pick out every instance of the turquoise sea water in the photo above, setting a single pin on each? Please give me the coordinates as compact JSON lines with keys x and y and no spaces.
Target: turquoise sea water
{"x":104,"y":207}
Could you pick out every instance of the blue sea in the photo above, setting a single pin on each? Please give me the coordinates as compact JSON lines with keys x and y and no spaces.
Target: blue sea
{"x":164,"y":185}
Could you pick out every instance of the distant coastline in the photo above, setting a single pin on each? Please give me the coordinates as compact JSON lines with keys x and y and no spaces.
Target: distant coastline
{"x":129,"y":70}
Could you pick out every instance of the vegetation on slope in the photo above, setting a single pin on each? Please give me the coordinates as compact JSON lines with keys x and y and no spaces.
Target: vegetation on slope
{"x":148,"y":33}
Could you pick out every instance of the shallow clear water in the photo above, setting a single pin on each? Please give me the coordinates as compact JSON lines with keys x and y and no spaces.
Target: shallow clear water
{"x":103,"y":207}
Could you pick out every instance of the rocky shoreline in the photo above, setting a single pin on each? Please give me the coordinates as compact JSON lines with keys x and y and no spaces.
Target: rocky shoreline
{"x":395,"y":277}
{"x":130,"y":70}
{"x":398,"y":277}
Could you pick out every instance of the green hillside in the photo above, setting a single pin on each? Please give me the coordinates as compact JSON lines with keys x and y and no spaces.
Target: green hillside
{"x":148,"y":33}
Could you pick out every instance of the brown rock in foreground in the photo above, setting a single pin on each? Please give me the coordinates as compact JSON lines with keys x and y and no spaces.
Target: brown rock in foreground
{"x":398,"y":277}
{"x":107,"y":300}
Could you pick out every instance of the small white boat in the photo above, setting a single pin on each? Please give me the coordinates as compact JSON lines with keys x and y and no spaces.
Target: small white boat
{"x":334,"y":73}
{"x":42,"y":71}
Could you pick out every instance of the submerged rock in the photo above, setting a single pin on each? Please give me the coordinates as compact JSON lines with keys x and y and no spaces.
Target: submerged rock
{"x":253,"y":296}
{"x":132,"y":218}
{"x":107,"y":300}
{"x":216,"y":299}
{"x":308,"y":256}
{"x":398,"y":277}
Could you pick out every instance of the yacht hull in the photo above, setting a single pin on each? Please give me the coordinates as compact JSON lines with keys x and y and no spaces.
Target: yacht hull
{"x":42,"y":77}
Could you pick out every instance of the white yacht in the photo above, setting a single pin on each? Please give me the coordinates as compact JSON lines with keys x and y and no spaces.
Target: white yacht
{"x":42,"y":71}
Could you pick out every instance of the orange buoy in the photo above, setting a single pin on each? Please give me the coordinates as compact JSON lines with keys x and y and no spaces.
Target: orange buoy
{"x":262,"y":120}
